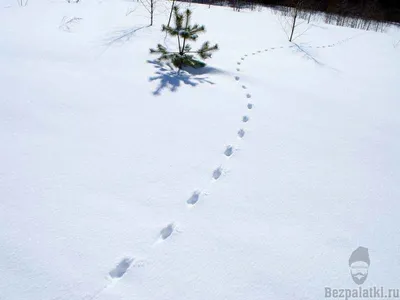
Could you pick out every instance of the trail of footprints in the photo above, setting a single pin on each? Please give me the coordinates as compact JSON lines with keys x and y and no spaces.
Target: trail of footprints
{"x":126,"y":263}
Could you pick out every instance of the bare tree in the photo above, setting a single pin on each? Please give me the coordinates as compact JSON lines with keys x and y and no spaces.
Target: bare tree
{"x":310,"y":13}
{"x":294,"y":15}
{"x":170,"y":13}
{"x":297,"y":6}
{"x":149,"y":5}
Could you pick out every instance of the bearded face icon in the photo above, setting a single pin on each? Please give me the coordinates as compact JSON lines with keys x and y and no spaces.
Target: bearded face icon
{"x":359,"y":264}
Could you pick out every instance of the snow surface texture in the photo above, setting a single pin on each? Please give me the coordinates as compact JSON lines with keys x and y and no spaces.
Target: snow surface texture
{"x":122,"y":180}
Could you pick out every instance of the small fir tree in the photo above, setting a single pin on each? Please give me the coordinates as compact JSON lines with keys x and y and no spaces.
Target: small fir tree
{"x":184,"y":33}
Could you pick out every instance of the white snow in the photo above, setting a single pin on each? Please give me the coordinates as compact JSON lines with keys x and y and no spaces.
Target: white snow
{"x":254,"y":178}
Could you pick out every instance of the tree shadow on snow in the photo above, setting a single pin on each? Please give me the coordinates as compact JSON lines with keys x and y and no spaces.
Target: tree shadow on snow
{"x":170,"y":79}
{"x":122,"y":35}
{"x":309,"y":56}
{"x":204,"y":70}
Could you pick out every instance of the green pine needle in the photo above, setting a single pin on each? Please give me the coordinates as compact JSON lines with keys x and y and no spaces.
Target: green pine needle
{"x":185,"y":32}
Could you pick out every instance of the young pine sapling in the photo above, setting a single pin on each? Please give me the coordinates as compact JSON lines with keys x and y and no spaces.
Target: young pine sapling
{"x":184,"y":32}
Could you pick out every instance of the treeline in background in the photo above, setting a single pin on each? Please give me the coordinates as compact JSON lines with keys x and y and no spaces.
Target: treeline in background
{"x":374,"y":15}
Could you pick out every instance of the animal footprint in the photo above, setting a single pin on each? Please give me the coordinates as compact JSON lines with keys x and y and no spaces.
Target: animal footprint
{"x":238,"y":63}
{"x":238,"y":69}
{"x":242,"y":58}
{"x":167,"y":231}
{"x":193,"y":199}
{"x":253,"y":53}
{"x":248,"y":96}
{"x":121,"y":268}
{"x":249,"y":106}
{"x":245,"y":55}
{"x":241,"y":133}
{"x":237,"y":78}
{"x":244,"y":87}
{"x":217,"y":173}
{"x":228,"y":151}
{"x":259,"y":51}
{"x":245,"y":119}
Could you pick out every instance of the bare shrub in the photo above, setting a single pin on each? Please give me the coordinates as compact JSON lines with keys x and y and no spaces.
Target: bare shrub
{"x":67,"y":23}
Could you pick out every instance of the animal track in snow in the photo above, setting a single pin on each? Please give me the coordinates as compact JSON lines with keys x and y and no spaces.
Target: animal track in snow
{"x":217,"y":173}
{"x":241,"y":133}
{"x":194,"y":198}
{"x":121,"y":268}
{"x":228,"y":151}
{"x":259,"y":51}
{"x":167,"y":231}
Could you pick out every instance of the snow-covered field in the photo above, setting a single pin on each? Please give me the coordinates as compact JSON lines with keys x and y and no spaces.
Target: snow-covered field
{"x":253,"y":179}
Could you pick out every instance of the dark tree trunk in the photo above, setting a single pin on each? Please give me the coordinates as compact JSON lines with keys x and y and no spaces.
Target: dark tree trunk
{"x":170,"y":13}
{"x":151,"y":12}
{"x":293,"y":25}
